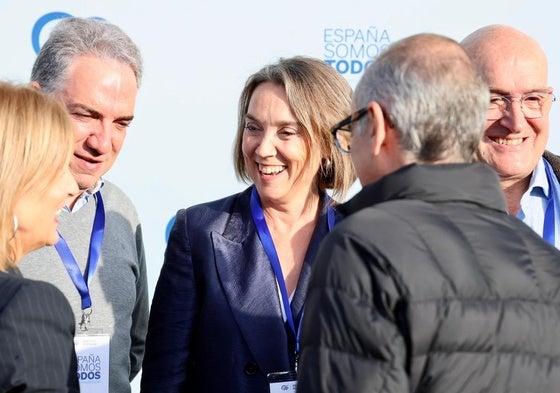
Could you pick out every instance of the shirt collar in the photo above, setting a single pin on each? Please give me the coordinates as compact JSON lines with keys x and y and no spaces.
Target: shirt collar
{"x":538,"y":185}
{"x":84,"y":197}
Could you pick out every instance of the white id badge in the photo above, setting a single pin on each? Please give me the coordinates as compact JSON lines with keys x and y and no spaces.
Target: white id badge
{"x":282,"y":382}
{"x":93,"y":362}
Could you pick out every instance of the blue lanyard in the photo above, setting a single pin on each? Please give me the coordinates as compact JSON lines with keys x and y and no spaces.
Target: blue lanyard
{"x":82,"y":282}
{"x":549,"y":225}
{"x":270,"y":249}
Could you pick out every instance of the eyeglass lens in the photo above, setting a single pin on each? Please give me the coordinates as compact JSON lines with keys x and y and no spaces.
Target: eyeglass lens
{"x":343,"y":137}
{"x":531,"y":106}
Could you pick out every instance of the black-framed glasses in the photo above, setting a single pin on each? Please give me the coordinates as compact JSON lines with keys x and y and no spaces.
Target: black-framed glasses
{"x":531,"y":105}
{"x":342,"y":132}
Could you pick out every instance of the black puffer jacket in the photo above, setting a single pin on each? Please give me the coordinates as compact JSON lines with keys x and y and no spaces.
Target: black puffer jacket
{"x":429,"y":286}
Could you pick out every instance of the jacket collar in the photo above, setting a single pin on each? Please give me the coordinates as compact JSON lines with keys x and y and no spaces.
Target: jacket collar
{"x":474,"y":183}
{"x":554,"y":161}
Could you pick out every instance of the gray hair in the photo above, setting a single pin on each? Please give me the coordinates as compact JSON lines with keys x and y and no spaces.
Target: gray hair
{"x":432,"y":94}
{"x":74,"y":37}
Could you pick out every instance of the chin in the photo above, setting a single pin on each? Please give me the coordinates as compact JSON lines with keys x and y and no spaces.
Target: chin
{"x":52,"y":240}
{"x":85,"y":181}
{"x":85,"y":185}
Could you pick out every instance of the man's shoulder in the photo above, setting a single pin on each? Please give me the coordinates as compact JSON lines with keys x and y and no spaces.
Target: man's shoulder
{"x":390,"y":212}
{"x":115,"y":198}
{"x":553,"y":160}
{"x":111,"y":189}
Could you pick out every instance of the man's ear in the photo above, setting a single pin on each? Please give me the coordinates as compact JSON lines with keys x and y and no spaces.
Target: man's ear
{"x":377,"y":126}
{"x":35,"y":85}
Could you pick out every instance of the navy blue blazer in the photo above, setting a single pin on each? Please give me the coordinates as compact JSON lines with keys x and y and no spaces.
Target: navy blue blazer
{"x":216,"y":321}
{"x":36,"y":337}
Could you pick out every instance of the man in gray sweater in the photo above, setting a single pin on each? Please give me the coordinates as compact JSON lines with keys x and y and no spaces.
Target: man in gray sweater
{"x":95,"y":69}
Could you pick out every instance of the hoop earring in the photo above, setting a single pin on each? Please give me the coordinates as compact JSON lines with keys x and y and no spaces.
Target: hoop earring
{"x":15,"y":225}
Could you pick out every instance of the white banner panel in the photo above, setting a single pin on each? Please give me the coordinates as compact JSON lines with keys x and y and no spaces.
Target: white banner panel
{"x":199,"y":54}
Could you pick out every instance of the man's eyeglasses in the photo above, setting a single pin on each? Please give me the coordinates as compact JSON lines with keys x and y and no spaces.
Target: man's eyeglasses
{"x":342,"y":132}
{"x":531,"y":105}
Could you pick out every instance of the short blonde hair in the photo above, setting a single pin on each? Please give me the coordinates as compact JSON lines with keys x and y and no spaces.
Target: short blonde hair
{"x":320,"y":97}
{"x":36,"y":143}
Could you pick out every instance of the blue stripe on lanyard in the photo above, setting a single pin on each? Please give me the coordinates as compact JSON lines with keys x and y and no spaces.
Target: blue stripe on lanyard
{"x":270,"y":249}
{"x":80,"y":282}
{"x":549,"y":226}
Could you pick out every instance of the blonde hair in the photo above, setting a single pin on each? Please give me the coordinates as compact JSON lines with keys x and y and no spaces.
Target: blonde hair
{"x":320,"y":97}
{"x":36,"y":143}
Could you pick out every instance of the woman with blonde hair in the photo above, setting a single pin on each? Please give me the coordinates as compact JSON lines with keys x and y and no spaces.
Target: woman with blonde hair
{"x":36,"y":322}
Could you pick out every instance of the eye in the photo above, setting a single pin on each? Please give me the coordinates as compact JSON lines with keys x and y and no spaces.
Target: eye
{"x":82,"y":114}
{"x":251,"y":128}
{"x":123,"y":125}
{"x":83,"y":117}
{"x":497,"y":101}
{"x":533,"y":100}
{"x":287,"y":132}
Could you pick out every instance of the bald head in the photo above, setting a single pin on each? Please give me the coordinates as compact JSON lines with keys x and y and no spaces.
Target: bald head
{"x":500,"y":44}
{"x":515,"y":67}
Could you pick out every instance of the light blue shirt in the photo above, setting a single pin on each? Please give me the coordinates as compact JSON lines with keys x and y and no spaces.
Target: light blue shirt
{"x":535,"y":201}
{"x":84,"y":197}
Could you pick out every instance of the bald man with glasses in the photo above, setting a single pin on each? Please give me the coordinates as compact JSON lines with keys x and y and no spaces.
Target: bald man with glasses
{"x":515,"y":68}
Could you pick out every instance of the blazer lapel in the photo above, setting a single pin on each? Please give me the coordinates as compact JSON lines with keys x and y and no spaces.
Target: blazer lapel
{"x":298,"y":300}
{"x":250,"y":288}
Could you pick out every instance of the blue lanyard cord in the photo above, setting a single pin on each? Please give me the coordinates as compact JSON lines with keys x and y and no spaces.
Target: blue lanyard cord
{"x":298,"y":338}
{"x":549,"y":215}
{"x":81,"y":282}
{"x":549,"y":226}
{"x":270,"y":249}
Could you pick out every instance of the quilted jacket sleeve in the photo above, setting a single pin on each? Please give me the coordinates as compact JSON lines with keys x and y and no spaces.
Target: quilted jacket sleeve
{"x":352,"y":338}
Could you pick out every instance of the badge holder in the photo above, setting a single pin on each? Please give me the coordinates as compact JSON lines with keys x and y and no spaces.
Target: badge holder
{"x":282,"y":382}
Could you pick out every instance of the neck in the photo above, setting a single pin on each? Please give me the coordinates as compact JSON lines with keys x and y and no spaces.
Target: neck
{"x":291,"y":212}
{"x":513,"y":191}
{"x":291,"y":226}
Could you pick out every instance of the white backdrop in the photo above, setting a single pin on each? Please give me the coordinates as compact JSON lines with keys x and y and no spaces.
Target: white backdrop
{"x":198,"y":55}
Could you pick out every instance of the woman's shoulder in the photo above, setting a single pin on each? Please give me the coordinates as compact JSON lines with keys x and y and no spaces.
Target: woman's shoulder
{"x":10,"y":284}
{"x":16,"y":289}
{"x":226,"y":204}
{"x":215,"y":215}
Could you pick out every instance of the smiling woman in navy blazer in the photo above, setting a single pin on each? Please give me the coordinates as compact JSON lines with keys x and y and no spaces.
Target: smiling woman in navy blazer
{"x":229,"y":298}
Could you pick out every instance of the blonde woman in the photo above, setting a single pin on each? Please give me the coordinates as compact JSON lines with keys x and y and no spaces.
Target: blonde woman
{"x":36,"y":322}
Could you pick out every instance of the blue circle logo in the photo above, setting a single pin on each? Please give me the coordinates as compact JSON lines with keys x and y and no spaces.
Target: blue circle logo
{"x":168,"y":228}
{"x":42,"y":22}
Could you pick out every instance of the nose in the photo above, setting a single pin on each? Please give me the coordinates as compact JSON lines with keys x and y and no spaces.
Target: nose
{"x":69,"y":183}
{"x":514,"y":118}
{"x":100,"y":137}
{"x":266,"y":146}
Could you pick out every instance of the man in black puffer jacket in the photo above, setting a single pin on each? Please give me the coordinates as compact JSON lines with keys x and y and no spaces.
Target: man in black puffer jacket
{"x":428,"y":285}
